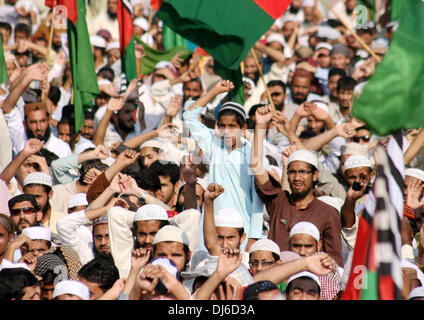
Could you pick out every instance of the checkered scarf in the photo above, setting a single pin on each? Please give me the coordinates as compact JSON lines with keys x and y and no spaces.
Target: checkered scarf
{"x":331,"y":284}
{"x":71,"y":258}
{"x":6,"y":223}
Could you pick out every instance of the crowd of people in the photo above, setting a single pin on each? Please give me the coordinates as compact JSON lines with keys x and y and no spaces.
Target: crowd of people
{"x":169,"y":190}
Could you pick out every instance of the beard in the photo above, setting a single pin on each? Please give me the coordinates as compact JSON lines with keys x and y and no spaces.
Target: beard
{"x":111,"y":15}
{"x":298,"y":100}
{"x":125,"y":127}
{"x":56,"y":47}
{"x":44,"y":137}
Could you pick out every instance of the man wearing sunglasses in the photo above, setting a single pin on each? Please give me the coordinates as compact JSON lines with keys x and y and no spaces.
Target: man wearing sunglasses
{"x":362,"y":136}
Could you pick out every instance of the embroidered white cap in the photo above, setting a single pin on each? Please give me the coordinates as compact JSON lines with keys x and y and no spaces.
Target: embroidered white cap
{"x":38,"y":178}
{"x":142,"y":23}
{"x":265,"y":245}
{"x":171,"y":233}
{"x":356,"y":161}
{"x":74,"y":287}
{"x":98,"y":41}
{"x":38,"y":233}
{"x":305,"y":156}
{"x":416,"y":173}
{"x":78,"y":199}
{"x":228,"y":217}
{"x":335,"y":202}
{"x":305,"y":274}
{"x":151,"y":212}
{"x":305,"y":227}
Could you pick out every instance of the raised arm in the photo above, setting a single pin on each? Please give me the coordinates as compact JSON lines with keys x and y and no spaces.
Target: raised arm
{"x":277,"y":55}
{"x":220,"y":87}
{"x":345,"y":130}
{"x":209,"y":230}
{"x":263,"y":117}
{"x":115,"y":104}
{"x":415,"y":147}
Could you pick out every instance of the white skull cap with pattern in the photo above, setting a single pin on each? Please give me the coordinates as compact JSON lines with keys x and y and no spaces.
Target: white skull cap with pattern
{"x":417,"y":292}
{"x":356,"y":161}
{"x":265,"y":245}
{"x":416,"y":173}
{"x":305,"y":274}
{"x":305,"y":227}
{"x":354,"y":148}
{"x":275,"y":37}
{"x":335,"y":202}
{"x":153,"y":143}
{"x":151,"y":212}
{"x":38,"y":233}
{"x":97,"y":41}
{"x":112,"y":45}
{"x":325,"y":45}
{"x":142,"y":23}
{"x":77,"y":288}
{"x":78,"y":199}
{"x":229,"y":217}
{"x":170,"y":233}
{"x":38,"y":178}
{"x":305,"y":156}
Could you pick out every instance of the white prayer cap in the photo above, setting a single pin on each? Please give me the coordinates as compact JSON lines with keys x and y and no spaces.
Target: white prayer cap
{"x":74,"y":287}
{"x":354,"y":148}
{"x":153,"y":143}
{"x":275,"y":37}
{"x":78,"y":199}
{"x":103,"y":81}
{"x":305,"y":227}
{"x":171,"y":233}
{"x":335,"y":202}
{"x":142,"y":23}
{"x":164,"y":64}
{"x":416,"y":173}
{"x":112,"y":45}
{"x":265,"y":245}
{"x":417,"y":292}
{"x":6,"y":265}
{"x":229,"y":217}
{"x":203,"y":182}
{"x":356,"y":161}
{"x":84,"y":146}
{"x":98,"y":41}
{"x":151,"y":212}
{"x":305,"y":156}
{"x":321,"y":104}
{"x":325,"y":45}
{"x":328,"y":32}
{"x":308,"y":3}
{"x":167,"y":264}
{"x":38,"y":233}
{"x":38,"y":178}
{"x":289,"y":18}
{"x":305,"y":274}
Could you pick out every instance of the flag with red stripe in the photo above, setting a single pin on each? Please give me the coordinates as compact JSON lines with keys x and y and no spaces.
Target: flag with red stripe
{"x":375,"y":270}
{"x":125,"y":18}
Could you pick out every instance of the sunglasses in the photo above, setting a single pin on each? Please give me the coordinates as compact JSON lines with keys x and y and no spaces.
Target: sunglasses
{"x":27,"y":210}
{"x":364,"y":138}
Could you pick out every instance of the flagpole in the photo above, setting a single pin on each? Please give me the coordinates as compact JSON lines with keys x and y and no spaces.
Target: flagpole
{"x":43,"y":92}
{"x":363,"y":44}
{"x":263,"y":80}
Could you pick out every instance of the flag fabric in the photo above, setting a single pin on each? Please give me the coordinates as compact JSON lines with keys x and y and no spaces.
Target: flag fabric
{"x":152,"y":56}
{"x":393,"y":99}
{"x":172,"y":39}
{"x":224,"y":29}
{"x":125,"y":18}
{"x":3,"y":70}
{"x":84,"y":78}
{"x":376,"y":270}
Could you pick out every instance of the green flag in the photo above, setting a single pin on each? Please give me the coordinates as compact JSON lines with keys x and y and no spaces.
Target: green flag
{"x":3,"y":70}
{"x":84,"y":78}
{"x":152,"y":56}
{"x":172,"y":39}
{"x":394,"y":97}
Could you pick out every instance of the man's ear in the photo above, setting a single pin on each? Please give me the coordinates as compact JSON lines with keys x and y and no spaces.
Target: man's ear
{"x":39,"y":216}
{"x":319,"y":246}
{"x":243,"y":237}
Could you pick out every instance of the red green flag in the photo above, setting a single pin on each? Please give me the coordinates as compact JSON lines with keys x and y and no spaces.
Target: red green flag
{"x":393,"y":99}
{"x":84,"y":78}
{"x":227,"y":30}
{"x":125,"y":18}
{"x":375,"y":272}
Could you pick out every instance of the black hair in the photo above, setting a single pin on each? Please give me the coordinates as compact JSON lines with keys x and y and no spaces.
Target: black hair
{"x":346,"y":83}
{"x":68,"y":112}
{"x":170,"y":169}
{"x":6,"y":26}
{"x":87,"y":165}
{"x":162,"y":223}
{"x":70,"y":123}
{"x":21,"y":198}
{"x":88,"y":114}
{"x":148,"y":180}
{"x":195,"y":80}
{"x":336,"y":71}
{"x":13,"y":281}
{"x":252,"y":290}
{"x":307,"y":134}
{"x":23,"y":27}
{"x":103,"y":72}
{"x":101,"y":270}
{"x":46,"y":189}
{"x":239,"y":119}
{"x":274,"y":83}
{"x":186,"y":249}
{"x":289,"y":285}
{"x":54,"y":94}
{"x":272,"y":160}
{"x":255,"y":107}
